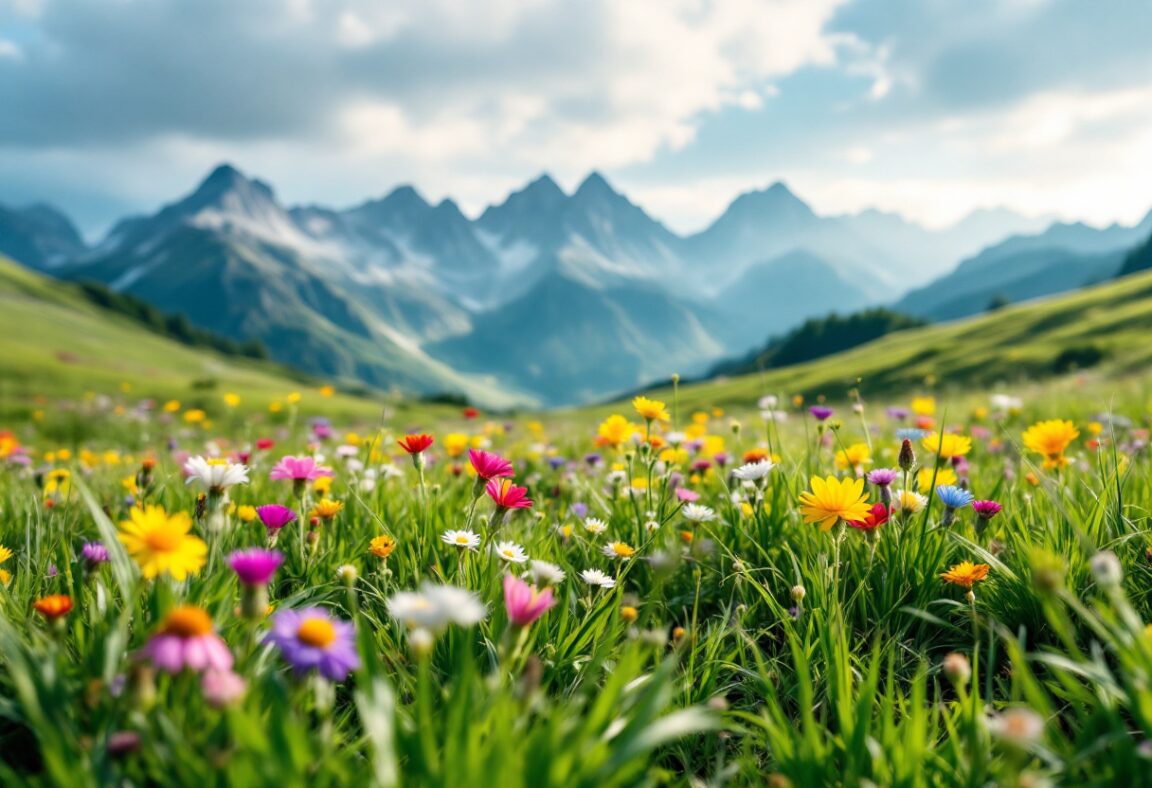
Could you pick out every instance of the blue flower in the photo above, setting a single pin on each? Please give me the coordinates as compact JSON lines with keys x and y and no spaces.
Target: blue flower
{"x":910,"y":433}
{"x":954,"y":497}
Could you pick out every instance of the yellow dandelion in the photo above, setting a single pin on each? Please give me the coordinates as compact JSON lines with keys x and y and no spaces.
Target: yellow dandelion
{"x":832,"y":500}
{"x":966,"y":574}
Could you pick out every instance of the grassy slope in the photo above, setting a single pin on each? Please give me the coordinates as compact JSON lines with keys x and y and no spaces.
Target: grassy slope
{"x":57,"y":344}
{"x":1013,"y":347}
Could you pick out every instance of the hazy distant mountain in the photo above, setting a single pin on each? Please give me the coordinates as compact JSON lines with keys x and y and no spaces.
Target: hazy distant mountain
{"x":39,"y":236}
{"x":1063,"y":257}
{"x":547,"y":296}
{"x":779,"y":293}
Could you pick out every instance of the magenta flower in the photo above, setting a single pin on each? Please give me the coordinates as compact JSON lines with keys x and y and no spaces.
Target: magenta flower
{"x":298,"y":469}
{"x":488,"y":465}
{"x":274,"y":516}
{"x":255,"y":567}
{"x":507,"y":495}
{"x":222,"y":688}
{"x":525,"y":603}
{"x":820,"y":413}
{"x":186,"y":640}
{"x":686,"y":495}
{"x":986,"y":510}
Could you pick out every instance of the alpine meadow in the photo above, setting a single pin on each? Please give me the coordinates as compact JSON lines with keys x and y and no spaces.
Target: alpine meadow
{"x":634,"y":393}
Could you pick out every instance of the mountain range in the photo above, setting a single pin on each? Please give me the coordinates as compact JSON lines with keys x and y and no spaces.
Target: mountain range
{"x":547,"y":298}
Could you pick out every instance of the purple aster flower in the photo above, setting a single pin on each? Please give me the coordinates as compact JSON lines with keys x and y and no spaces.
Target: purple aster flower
{"x":820,"y":412}
{"x":579,"y":510}
{"x":311,"y":639}
{"x":882,"y":477}
{"x":255,"y":567}
{"x":94,"y":554}
{"x":898,"y":414}
{"x":593,"y":459}
{"x":556,"y":462}
{"x":274,"y":516}
{"x":52,"y":570}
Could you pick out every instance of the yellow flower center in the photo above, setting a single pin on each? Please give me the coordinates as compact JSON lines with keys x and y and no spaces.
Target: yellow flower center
{"x":187,"y":621}
{"x":316,"y":632}
{"x":164,"y":540}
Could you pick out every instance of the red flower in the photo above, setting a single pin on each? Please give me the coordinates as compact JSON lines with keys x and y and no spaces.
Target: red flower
{"x":507,"y":495}
{"x":875,"y":518}
{"x":471,"y":413}
{"x":415,"y":444}
{"x":264,"y":444}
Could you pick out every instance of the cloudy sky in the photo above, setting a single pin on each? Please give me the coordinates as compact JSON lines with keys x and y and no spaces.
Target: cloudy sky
{"x":926,"y":107}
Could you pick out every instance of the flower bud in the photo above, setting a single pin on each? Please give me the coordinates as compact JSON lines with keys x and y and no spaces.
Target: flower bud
{"x":1107,"y":570}
{"x":907,"y":457}
{"x":957,"y":668}
{"x":798,"y":594}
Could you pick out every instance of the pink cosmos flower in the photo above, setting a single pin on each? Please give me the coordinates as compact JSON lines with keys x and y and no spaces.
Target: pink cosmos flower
{"x":186,"y":640}
{"x":507,"y":495}
{"x":489,"y":465}
{"x":298,"y":469}
{"x":686,"y":495}
{"x":525,"y":603}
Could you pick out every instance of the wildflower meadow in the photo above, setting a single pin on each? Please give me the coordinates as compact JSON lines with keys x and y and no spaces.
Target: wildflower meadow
{"x":946,"y":589}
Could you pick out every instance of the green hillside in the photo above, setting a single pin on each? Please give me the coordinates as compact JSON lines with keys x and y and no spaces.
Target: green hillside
{"x":56,"y":343}
{"x":1103,"y":328}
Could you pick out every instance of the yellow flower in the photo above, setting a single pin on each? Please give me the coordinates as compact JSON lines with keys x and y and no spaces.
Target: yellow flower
{"x":5,"y":553}
{"x":171,"y":406}
{"x":614,"y":431}
{"x":231,"y":400}
{"x":194,"y":416}
{"x":950,"y":445}
{"x":293,"y":398}
{"x":160,"y":542}
{"x":832,"y":499}
{"x":58,"y":483}
{"x":1051,"y":438}
{"x":651,"y":409}
{"x":382,"y":546}
{"x":966,"y":574}
{"x":275,"y":406}
{"x":943,"y":476}
{"x":246,"y":513}
{"x":322,"y":486}
{"x":326,"y":509}
{"x":854,"y":458}
{"x":327,"y":391}
{"x":924,"y":406}
{"x":455,"y":443}
{"x":5,"y":576}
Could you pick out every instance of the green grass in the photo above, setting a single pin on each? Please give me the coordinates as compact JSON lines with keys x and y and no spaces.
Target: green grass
{"x":1011,"y":348}
{"x":59,"y":345}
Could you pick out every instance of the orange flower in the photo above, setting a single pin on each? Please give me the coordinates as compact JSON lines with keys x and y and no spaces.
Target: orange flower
{"x":966,"y":574}
{"x":414,"y":444}
{"x":54,"y":606}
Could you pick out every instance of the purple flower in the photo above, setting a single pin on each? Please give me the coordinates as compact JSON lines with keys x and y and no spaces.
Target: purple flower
{"x":556,"y":462}
{"x":820,"y":413}
{"x":186,"y":640}
{"x":94,"y":554}
{"x":882,"y":477}
{"x":579,"y":510}
{"x":898,"y":414}
{"x":300,"y":469}
{"x":255,"y":567}
{"x":311,"y":639}
{"x":274,"y":516}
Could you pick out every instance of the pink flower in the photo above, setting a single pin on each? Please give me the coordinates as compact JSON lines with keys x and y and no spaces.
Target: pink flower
{"x":222,"y":688}
{"x":299,"y":469}
{"x":686,"y":495}
{"x":186,"y":640}
{"x":507,"y":495}
{"x":986,"y":510}
{"x":489,"y":465}
{"x":525,"y":603}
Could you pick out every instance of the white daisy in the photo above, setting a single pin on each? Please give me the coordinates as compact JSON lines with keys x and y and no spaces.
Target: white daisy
{"x":595,"y":526}
{"x":216,"y":475}
{"x":619,"y":550}
{"x":546,"y":574}
{"x":696,"y":513}
{"x":594,"y":577}
{"x":434,"y":607}
{"x":465,"y":539}
{"x":754,"y":471}
{"x":511,"y":552}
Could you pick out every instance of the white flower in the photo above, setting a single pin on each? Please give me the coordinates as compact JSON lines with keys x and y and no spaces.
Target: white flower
{"x":511,"y":552}
{"x":595,"y":526}
{"x":619,"y":550}
{"x":434,"y":607}
{"x":909,"y":501}
{"x":594,"y":577}
{"x":390,"y":471}
{"x":696,"y":513}
{"x":464,"y":539}
{"x":651,"y":526}
{"x":768,"y":402}
{"x":675,"y":438}
{"x":347,"y":573}
{"x":347,"y":451}
{"x":216,"y":475}
{"x":546,"y":574}
{"x":754,"y":471}
{"x":1106,"y":569}
{"x":1005,"y":403}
